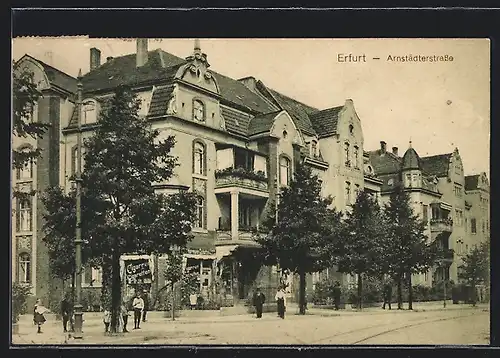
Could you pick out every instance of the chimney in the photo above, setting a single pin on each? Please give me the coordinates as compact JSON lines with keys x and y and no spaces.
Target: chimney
{"x":383,"y":146}
{"x":142,"y":52}
{"x":95,"y":58}
{"x":109,"y":58}
{"x":395,"y":150}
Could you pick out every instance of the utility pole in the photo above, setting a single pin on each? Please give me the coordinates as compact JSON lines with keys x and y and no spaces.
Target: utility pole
{"x":78,"y":334}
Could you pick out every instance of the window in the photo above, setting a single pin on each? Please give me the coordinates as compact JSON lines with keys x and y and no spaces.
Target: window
{"x":89,"y":112}
{"x":458,"y":190}
{"x":483,"y":225}
{"x":198,"y":111}
{"x":200,"y":214}
{"x":24,"y":268}
{"x":408,"y":179}
{"x":346,"y":153}
{"x":425,"y":213}
{"x":473,"y":227}
{"x":199,"y":158}
{"x":347,"y":193}
{"x":356,"y":191}
{"x":351,"y":129}
{"x":356,"y":156}
{"x":92,"y":276}
{"x":245,"y":217}
{"x":26,"y":171}
{"x":459,"y":217}
{"x":24,"y":214}
{"x":314,"y":148}
{"x":284,"y":171}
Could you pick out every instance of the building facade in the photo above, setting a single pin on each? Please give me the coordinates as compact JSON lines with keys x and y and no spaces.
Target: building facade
{"x":238,"y":142}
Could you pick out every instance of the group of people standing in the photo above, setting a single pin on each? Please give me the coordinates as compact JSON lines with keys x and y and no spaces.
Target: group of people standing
{"x":259,"y":299}
{"x":139,"y":306}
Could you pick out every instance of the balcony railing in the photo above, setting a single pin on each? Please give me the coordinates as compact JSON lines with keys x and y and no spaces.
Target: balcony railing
{"x":442,"y":225}
{"x":241,"y":177}
{"x":244,"y":233}
{"x":448,"y":255}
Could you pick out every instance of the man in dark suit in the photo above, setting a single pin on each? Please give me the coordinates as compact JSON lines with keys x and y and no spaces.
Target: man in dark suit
{"x":336,"y":295}
{"x":258,"y":302}
{"x":387,"y":294}
{"x":67,"y":312}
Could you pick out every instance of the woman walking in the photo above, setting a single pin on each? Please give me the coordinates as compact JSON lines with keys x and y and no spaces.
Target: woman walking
{"x":38,"y":315}
{"x":281,"y":301}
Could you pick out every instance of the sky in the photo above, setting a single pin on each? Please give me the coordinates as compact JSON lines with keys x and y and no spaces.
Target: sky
{"x":436,"y":105}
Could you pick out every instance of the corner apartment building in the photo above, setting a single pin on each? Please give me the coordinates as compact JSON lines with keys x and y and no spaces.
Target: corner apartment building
{"x":439,"y":193}
{"x":238,"y":142}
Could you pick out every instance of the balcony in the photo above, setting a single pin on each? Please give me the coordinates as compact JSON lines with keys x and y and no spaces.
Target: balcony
{"x":442,"y":225}
{"x":245,"y":237}
{"x":448,"y":256}
{"x":241,"y":178}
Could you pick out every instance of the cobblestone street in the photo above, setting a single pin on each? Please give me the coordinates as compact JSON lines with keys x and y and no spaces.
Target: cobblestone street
{"x":453,"y":326}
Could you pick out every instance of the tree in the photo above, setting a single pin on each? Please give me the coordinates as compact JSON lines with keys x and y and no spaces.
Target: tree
{"x":363,"y":240}
{"x":298,"y":239}
{"x":124,"y":160}
{"x":173,"y":274}
{"x":25,"y":96}
{"x":475,"y":267}
{"x":408,"y":249}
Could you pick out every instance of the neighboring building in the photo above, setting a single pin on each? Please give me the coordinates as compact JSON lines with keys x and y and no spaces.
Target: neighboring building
{"x":437,"y":188}
{"x":477,"y":195}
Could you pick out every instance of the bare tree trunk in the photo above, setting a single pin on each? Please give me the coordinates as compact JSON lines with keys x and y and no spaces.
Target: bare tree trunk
{"x":400,"y":292}
{"x":302,"y":292}
{"x":410,"y":293}
{"x":360,"y":291}
{"x":173,"y":301}
{"x":115,"y":290}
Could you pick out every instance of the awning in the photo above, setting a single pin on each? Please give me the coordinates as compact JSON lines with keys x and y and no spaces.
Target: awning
{"x":200,"y":256}
{"x":223,"y":251}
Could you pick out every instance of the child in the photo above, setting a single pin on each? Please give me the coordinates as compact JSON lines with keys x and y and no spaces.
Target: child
{"x":107,"y":320}
{"x":38,"y":315}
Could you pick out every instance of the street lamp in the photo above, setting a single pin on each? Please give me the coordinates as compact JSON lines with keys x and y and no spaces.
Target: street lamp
{"x":78,"y":334}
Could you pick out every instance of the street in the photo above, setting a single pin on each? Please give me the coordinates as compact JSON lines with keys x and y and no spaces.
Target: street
{"x":463,"y":326}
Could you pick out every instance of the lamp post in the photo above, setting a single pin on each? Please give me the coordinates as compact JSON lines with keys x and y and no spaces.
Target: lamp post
{"x":78,"y":334}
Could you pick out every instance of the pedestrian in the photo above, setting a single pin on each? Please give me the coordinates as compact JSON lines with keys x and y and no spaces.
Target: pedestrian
{"x":67,"y":312}
{"x":39,"y":315}
{"x":281,"y":301}
{"x":106,"y":320}
{"x":193,"y":299}
{"x":145,"y":297}
{"x":258,"y":302}
{"x":124,"y":313}
{"x":387,"y":294}
{"x":336,"y":295}
{"x":138,"y":305}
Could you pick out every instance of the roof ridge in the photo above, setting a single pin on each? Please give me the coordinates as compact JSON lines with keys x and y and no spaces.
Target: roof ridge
{"x":52,"y":67}
{"x":293,"y":99}
{"x":437,"y":155}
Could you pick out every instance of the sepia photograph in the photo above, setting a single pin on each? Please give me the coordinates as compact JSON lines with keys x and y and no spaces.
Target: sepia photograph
{"x":250,"y":191}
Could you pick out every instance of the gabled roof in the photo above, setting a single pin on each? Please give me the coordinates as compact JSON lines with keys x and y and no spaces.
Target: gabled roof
{"x":56,"y":77}
{"x":325,"y":121}
{"x":384,"y":163}
{"x":262,"y":123}
{"x":162,"y":67}
{"x":437,"y":165}
{"x":236,"y":121}
{"x":471,"y":182}
{"x":297,"y":110}
{"x":159,"y":100}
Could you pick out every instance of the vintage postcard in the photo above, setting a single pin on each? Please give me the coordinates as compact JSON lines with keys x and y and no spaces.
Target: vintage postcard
{"x":250,"y":191}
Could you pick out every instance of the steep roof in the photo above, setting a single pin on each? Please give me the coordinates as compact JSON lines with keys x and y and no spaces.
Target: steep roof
{"x":437,"y":165}
{"x":297,"y":110}
{"x":471,"y":182}
{"x":325,"y":121}
{"x":411,"y":160}
{"x":384,"y":163}
{"x":262,"y":123}
{"x":162,"y":66}
{"x":236,"y":121}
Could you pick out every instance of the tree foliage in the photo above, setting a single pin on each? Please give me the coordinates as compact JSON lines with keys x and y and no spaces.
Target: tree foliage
{"x":363,"y":240}
{"x":298,"y":240}
{"x":25,"y":96}
{"x":475,"y":266}
{"x":409,"y":250}
{"x":121,"y":211}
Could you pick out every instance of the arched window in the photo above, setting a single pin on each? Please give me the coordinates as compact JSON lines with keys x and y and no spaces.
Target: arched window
{"x":198,"y":111}
{"x":26,"y":171}
{"x":89,"y":112}
{"x":351,"y":129}
{"x":200,"y":213}
{"x":356,"y":157}
{"x":285,"y":171}
{"x":314,"y":148}
{"x":199,"y":158}
{"x":347,"y":193}
{"x":24,"y":214}
{"x":24,"y":268}
{"x":346,"y":154}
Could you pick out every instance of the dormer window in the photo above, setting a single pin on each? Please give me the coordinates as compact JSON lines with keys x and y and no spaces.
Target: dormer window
{"x":89,"y":112}
{"x":198,"y":111}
